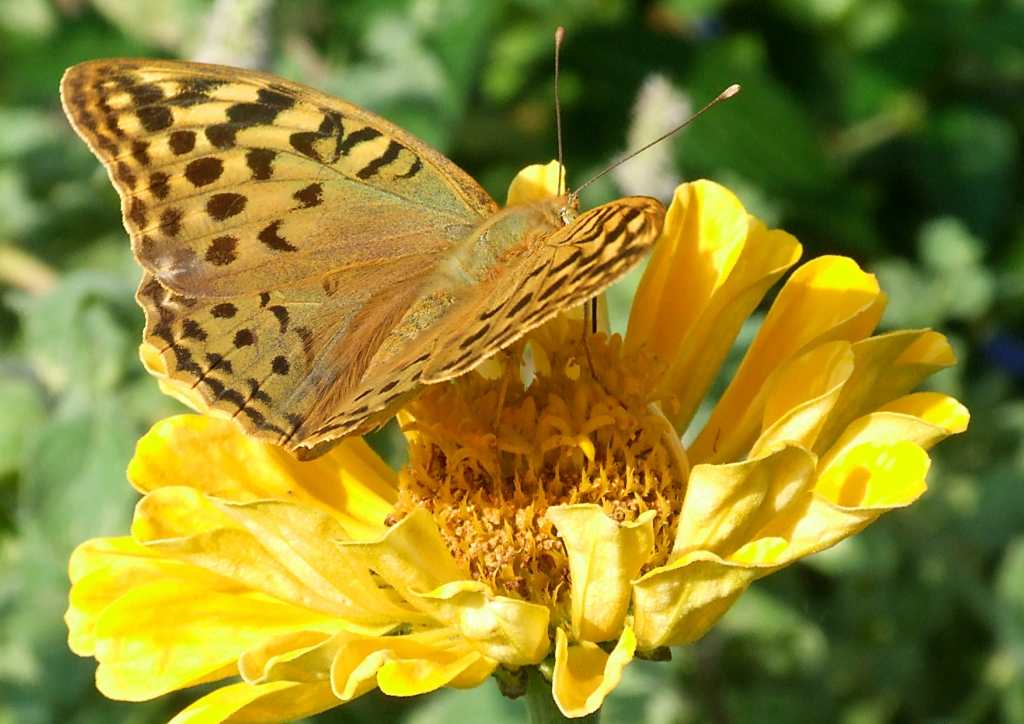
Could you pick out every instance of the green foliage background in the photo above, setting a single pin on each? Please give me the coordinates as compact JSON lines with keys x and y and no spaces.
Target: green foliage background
{"x":888,"y":130}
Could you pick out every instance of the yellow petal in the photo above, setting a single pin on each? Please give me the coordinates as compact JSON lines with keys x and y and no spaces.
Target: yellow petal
{"x":923,"y":418}
{"x":827,"y":299}
{"x":536,"y":183}
{"x":412,"y":557}
{"x":405,"y":677}
{"x":928,"y":353}
{"x":270,"y":659}
{"x":709,"y":270}
{"x":584,"y":674}
{"x":473,"y":675}
{"x":103,"y":570}
{"x":704,"y":234}
{"x":726,"y":504}
{"x":604,"y":556}
{"x":233,"y":552}
{"x":100,"y":552}
{"x":802,"y":396}
{"x":304,"y":540}
{"x":165,"y":636}
{"x":677,"y":604}
{"x":879,"y":375}
{"x":807,"y":377}
{"x":405,"y":665}
{"x":506,"y":630}
{"x":763,"y":551}
{"x":270,"y":704}
{"x":875,"y":475}
{"x":213,"y":456}
{"x":934,"y":408}
{"x":176,"y":512}
{"x":855,"y":488}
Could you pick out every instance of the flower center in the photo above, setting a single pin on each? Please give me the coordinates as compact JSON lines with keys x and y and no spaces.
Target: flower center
{"x":489,"y":453}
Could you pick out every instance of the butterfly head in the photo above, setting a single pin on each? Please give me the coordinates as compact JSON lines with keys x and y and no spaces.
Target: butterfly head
{"x":570,"y":209}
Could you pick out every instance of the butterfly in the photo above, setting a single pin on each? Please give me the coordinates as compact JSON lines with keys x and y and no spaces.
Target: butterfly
{"x":309,"y":266}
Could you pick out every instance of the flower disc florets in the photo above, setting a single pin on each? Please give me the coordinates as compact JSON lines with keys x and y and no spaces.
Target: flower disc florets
{"x":490,"y":453}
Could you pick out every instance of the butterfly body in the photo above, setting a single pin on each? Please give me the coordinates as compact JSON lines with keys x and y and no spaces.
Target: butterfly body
{"x":308,"y":266}
{"x":503,"y":240}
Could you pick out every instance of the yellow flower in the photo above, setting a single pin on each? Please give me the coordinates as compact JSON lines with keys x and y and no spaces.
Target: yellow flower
{"x":549,"y":514}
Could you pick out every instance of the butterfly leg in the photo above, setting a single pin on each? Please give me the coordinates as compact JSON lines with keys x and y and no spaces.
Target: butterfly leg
{"x":587,"y":313}
{"x":514,"y":356}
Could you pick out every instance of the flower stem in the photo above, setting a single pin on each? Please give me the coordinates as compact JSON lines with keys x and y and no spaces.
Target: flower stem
{"x":541,"y":704}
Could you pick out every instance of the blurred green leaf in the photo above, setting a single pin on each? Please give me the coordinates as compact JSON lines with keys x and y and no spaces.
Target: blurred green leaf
{"x":76,"y":336}
{"x":966,"y":163}
{"x":23,"y":406}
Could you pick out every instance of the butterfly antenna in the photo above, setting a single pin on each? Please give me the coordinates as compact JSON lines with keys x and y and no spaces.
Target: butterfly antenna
{"x":727,"y":93}
{"x":559,"y":36}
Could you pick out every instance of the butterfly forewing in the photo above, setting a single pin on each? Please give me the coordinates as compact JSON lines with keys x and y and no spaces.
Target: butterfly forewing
{"x":234,"y":182}
{"x":578,"y":262}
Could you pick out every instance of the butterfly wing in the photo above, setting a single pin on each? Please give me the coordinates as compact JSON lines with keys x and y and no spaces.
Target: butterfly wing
{"x":578,"y":262}
{"x":315,"y":220}
{"x":234,"y":182}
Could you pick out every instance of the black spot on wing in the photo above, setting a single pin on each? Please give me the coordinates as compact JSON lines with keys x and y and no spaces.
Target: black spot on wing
{"x":204,"y":171}
{"x":468,"y":341}
{"x":305,"y":142}
{"x":217,"y":362}
{"x":191,"y":329}
{"x":221,"y":135}
{"x":140,"y":152}
{"x":356,"y":137}
{"x":124,"y":174}
{"x":224,"y":206}
{"x":309,"y":196}
{"x":255,"y":393}
{"x":232,"y":397}
{"x":523,"y":301}
{"x":261,"y":113}
{"x":182,"y":142}
{"x":389,"y":156}
{"x":270,"y":238}
{"x":137,"y":212}
{"x":159,"y":184}
{"x":280,"y":365}
{"x":260,"y":162}
{"x":155,"y":118}
{"x":282,"y":316}
{"x":183,"y":361}
{"x":216,"y":386}
{"x":170,"y":221}
{"x":222,"y":251}
{"x":244,"y":338}
{"x":143,"y":94}
{"x":193,"y":92}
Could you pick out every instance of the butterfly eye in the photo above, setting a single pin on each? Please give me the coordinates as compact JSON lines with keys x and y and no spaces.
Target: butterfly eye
{"x":568,"y":214}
